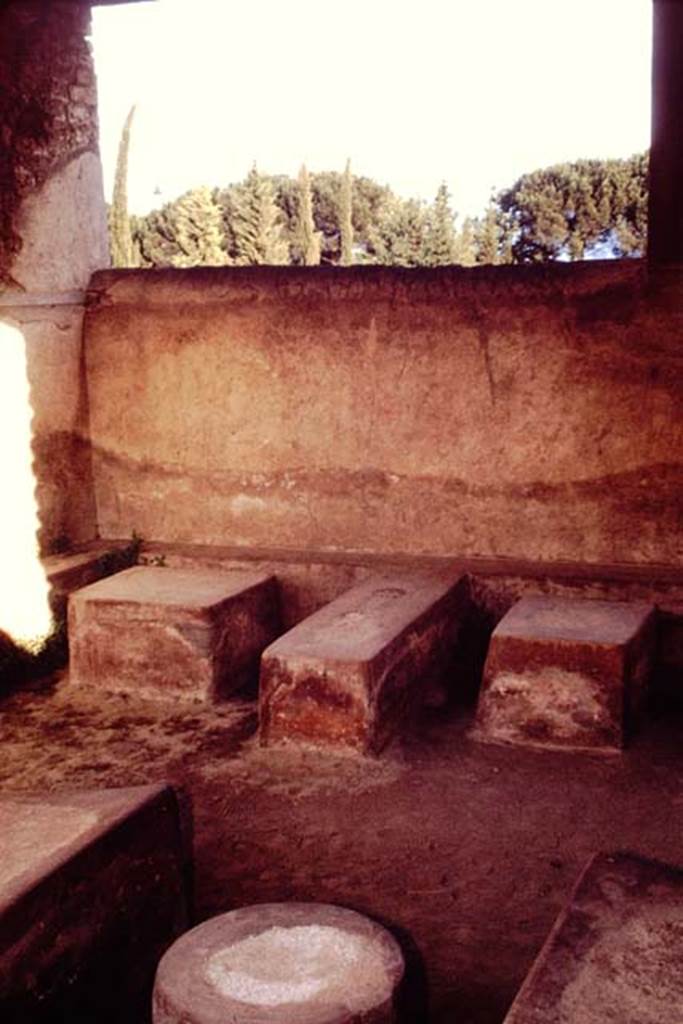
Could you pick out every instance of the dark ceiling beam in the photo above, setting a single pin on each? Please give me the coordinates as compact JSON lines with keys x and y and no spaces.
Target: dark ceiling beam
{"x":665,"y":219}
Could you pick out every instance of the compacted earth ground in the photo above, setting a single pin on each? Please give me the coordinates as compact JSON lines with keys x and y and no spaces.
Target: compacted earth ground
{"x":467,"y":851}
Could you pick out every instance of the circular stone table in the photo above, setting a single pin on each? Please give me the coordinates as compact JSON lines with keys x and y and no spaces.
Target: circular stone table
{"x":281,"y":963}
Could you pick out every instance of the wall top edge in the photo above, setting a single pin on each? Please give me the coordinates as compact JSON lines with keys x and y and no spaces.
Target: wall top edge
{"x":199,"y":285}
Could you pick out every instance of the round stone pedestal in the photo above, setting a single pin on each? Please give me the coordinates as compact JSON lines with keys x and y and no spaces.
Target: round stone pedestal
{"x":281,"y":963}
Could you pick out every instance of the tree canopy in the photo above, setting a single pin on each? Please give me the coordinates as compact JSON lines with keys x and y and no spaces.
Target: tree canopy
{"x":584,"y":209}
{"x":120,"y":237}
{"x":572,"y":210}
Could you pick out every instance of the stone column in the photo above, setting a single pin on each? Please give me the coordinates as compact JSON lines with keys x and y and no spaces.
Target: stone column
{"x":53,"y":235}
{"x":665,"y":232}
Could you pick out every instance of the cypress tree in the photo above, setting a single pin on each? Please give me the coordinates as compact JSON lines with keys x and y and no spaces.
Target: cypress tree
{"x":346,"y":218}
{"x":398,"y":238}
{"x":198,"y":230}
{"x":488,"y":237}
{"x":120,"y":237}
{"x":308,"y":239}
{"x":440,"y":242}
{"x":465,"y":246}
{"x":258,"y":237}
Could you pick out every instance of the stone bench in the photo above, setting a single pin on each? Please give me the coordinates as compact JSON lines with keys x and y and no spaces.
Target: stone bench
{"x":350,"y":673}
{"x":615,"y":953}
{"x":567,"y":673}
{"x":92,"y":892}
{"x":277,"y":963}
{"x":174,"y":633}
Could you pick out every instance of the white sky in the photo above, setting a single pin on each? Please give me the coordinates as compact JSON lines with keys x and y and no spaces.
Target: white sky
{"x":471,"y":92}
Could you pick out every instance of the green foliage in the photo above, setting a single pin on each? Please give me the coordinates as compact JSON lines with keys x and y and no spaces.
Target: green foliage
{"x":489,"y":240}
{"x":199,"y":230}
{"x":563,"y":212}
{"x":567,"y":210}
{"x":120,"y":558}
{"x":440,"y":241}
{"x":465,"y":244}
{"x":307,"y":239}
{"x":398,"y":237}
{"x":369,"y":201}
{"x":346,"y":218}
{"x":120,"y":236}
{"x":258,"y":236}
{"x":154,"y":236}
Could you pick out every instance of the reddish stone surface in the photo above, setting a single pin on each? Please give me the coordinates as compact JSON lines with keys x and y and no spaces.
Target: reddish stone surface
{"x":349,"y":674}
{"x":92,"y":891}
{"x":309,"y":579}
{"x":562,"y":672}
{"x":330,"y":984}
{"x":615,"y":953}
{"x":174,"y":633}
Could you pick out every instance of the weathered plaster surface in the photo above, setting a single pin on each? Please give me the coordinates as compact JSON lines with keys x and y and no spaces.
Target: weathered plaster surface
{"x":523,"y":412}
{"x":61,"y":449}
{"x":53,"y":235}
{"x":63,"y":229}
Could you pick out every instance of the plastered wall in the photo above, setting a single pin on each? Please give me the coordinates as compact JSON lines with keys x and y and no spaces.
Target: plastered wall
{"x":529,"y":413}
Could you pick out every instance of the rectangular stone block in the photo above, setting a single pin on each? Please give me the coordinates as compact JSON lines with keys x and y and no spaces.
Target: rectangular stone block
{"x":565,"y":672}
{"x":192,"y":634}
{"x":350,"y":673}
{"x":93,"y":889}
{"x":615,"y":953}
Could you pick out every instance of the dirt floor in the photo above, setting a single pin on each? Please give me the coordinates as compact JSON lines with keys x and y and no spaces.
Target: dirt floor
{"x":468,"y":851}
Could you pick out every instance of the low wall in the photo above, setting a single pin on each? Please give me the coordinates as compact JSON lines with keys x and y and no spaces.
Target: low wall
{"x":529,"y":413}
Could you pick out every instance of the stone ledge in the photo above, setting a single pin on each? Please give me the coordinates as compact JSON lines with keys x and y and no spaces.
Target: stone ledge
{"x":87,"y":563}
{"x":349,"y":675}
{"x":189,"y":634}
{"x":208,"y":285}
{"x":566,"y":673}
{"x":93,"y":888}
{"x":614,"y":953}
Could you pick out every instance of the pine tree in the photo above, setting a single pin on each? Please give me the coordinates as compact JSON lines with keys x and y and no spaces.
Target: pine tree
{"x":307,"y":238}
{"x":198,"y":230}
{"x":258,"y":236}
{"x":346,"y":218}
{"x":574,"y":208}
{"x":440,"y":241}
{"x":465,"y":245}
{"x":120,"y":237}
{"x":398,"y":237}
{"x":488,"y":237}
